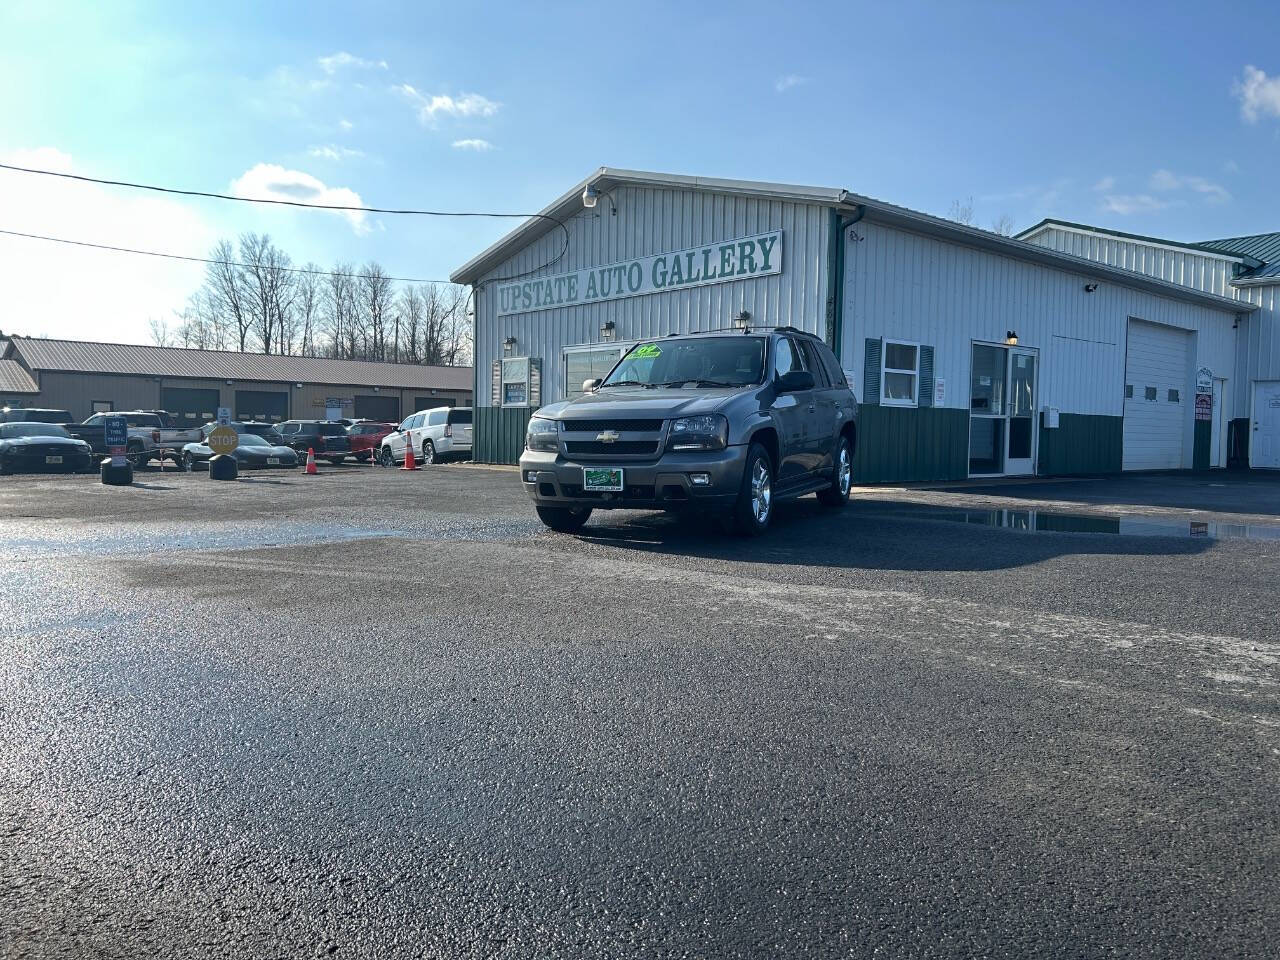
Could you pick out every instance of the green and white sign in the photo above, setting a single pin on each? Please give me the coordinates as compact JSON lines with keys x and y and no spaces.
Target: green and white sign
{"x":756,"y":256}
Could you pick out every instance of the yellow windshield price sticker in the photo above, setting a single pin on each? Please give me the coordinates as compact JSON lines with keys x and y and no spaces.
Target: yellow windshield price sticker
{"x":647,"y":350}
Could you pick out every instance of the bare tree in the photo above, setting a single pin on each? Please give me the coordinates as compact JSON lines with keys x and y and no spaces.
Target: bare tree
{"x":307,"y":308}
{"x":376,"y":306}
{"x":412,"y":311}
{"x":962,"y":212}
{"x":161,"y":335}
{"x":203,"y":326}
{"x":339,"y":305}
{"x":225,"y":284}
{"x":1003,"y":225}
{"x":269,"y":284}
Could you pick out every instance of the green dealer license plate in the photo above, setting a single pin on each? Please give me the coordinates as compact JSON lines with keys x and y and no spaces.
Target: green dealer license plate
{"x":602,"y":480}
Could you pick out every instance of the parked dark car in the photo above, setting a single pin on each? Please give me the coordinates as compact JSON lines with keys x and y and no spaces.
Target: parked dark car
{"x":328,"y":438}
{"x":252,"y":451}
{"x":267,"y":431}
{"x":719,"y":422}
{"x":90,"y":433}
{"x":366,"y":436}
{"x":33,"y":446}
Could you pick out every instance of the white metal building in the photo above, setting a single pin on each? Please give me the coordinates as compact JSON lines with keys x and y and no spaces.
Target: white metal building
{"x":973,"y":354}
{"x":1245,"y":392}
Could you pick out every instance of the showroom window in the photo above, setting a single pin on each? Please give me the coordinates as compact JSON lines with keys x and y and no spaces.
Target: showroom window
{"x":900,"y":373}
{"x":589,"y":362}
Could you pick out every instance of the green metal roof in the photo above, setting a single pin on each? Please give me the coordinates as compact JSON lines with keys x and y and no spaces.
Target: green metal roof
{"x":1263,"y":247}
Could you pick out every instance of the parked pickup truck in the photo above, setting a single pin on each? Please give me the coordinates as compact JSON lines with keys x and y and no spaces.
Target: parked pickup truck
{"x":91,"y":434}
{"x":152,"y":435}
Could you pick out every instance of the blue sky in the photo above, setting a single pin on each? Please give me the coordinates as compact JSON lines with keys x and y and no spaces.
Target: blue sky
{"x":1165,"y":125}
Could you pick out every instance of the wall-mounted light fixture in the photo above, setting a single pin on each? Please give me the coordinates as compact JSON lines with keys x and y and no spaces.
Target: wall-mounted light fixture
{"x":742,"y":320}
{"x":591,"y":196}
{"x":1011,"y":338}
{"x":607,"y":330}
{"x":1090,"y":287}
{"x":298,"y":385}
{"x":377,"y":389}
{"x":230,"y":381}
{"x":509,"y":346}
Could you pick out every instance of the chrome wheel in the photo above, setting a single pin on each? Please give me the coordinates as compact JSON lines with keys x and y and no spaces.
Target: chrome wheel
{"x":761,"y":491}
{"x":846,"y":470}
{"x":428,"y":452}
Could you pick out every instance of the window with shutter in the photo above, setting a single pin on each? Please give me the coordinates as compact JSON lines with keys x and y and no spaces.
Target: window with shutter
{"x":871,"y":371}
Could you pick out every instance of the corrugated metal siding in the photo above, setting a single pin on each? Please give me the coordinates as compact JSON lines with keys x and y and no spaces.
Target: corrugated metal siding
{"x":900,"y":284}
{"x":652,"y":221}
{"x":1258,"y":356}
{"x":15,"y":379}
{"x":498,"y":433}
{"x":124,"y":358}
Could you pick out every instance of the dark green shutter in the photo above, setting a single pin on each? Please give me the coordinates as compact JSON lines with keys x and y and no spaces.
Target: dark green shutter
{"x":871,"y":371}
{"x":495,"y":397}
{"x":535,"y":381}
{"x":925,"y":397}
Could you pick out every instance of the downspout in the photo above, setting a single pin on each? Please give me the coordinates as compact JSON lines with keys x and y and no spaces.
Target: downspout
{"x":835,"y":270}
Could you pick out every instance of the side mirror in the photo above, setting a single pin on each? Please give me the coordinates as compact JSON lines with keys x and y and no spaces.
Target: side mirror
{"x":795,"y":381}
{"x":589,"y":385}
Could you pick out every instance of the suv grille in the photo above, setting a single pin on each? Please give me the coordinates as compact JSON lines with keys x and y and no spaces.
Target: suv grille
{"x":625,"y":448}
{"x":595,"y":426}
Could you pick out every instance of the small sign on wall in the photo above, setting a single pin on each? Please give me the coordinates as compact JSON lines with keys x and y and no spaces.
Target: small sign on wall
{"x":939,"y":392}
{"x":1052,"y":417}
{"x":1204,"y":406}
{"x":1204,"y":380}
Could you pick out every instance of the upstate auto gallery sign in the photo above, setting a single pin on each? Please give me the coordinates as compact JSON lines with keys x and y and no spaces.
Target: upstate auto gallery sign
{"x":756,"y":256}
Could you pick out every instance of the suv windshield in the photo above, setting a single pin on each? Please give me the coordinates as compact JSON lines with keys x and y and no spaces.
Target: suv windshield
{"x":728,"y":361}
{"x":332,"y":430}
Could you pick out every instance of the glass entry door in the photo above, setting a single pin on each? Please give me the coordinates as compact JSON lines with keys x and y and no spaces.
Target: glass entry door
{"x":1002,"y":411}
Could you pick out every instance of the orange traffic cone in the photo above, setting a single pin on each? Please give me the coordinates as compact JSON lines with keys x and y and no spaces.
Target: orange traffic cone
{"x":409,"y":462}
{"x":311,"y":462}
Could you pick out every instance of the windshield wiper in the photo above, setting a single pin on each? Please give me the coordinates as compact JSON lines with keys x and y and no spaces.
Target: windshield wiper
{"x":626,"y":383}
{"x":698,"y":383}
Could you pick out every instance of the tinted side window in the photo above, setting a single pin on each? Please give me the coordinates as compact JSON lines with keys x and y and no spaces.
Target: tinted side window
{"x":812,"y":363}
{"x":437,"y":417}
{"x":831,"y":364}
{"x":459,"y":416}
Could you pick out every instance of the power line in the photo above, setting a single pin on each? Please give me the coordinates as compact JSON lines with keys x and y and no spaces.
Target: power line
{"x":221,"y":263}
{"x":298,"y":203}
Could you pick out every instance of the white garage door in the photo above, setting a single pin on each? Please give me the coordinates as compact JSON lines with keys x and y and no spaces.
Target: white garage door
{"x":1157,"y":371}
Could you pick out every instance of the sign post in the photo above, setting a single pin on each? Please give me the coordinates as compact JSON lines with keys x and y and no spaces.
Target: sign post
{"x":115,"y":433}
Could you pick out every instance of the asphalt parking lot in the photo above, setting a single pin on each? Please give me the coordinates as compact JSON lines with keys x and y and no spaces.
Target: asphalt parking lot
{"x":378,"y":713}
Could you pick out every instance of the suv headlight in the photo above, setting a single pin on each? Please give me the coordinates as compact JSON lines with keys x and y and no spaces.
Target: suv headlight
{"x":543,"y":435}
{"x":709,"y":432}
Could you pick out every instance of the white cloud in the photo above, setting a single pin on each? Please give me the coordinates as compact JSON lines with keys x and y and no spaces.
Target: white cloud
{"x":330,"y":151}
{"x":1166,"y":181}
{"x":473,"y":143}
{"x":431,"y":106}
{"x":1258,"y":94}
{"x":346,"y":125}
{"x":791,"y":80}
{"x":1133,"y":203}
{"x":79,"y":292}
{"x":1105,"y":184}
{"x":337,"y":61}
{"x":269,"y":181}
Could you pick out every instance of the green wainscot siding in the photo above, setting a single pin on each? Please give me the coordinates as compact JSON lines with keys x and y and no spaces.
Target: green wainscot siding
{"x":498,"y":433}
{"x":903,"y":444}
{"x":1203,"y":443}
{"x":1081,"y":444}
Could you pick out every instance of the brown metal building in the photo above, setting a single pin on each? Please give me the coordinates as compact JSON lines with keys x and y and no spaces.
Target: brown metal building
{"x":86,"y":378}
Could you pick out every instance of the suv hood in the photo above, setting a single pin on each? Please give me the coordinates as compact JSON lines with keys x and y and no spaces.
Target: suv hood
{"x":640,"y":403}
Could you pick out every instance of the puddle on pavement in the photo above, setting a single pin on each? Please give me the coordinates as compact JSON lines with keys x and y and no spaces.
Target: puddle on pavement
{"x":1041,"y":521}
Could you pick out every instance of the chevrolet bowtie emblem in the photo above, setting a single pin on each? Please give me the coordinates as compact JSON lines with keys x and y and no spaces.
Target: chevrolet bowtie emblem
{"x":608,"y":436}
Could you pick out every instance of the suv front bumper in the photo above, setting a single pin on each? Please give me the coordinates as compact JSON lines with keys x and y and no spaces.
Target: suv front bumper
{"x":664,"y":484}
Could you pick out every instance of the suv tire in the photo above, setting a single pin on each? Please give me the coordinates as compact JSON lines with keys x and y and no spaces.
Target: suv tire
{"x":428,"y":452}
{"x":564,"y":519}
{"x":837,"y":495}
{"x":750,"y":516}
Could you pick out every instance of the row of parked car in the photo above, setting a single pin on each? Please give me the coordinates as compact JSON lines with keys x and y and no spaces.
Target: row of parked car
{"x":48,"y":439}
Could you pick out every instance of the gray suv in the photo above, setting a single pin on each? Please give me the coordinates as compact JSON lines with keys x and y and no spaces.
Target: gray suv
{"x":727,"y":422}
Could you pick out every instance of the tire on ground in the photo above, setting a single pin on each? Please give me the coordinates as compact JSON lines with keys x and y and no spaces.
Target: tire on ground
{"x":742,"y":516}
{"x":564,"y":519}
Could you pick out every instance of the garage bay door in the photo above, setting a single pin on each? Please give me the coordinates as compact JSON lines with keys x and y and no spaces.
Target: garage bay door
{"x":382,"y":408}
{"x":190,"y":407}
{"x":1157,"y":371}
{"x":269,"y":405}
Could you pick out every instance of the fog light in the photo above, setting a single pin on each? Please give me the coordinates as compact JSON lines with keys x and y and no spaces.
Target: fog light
{"x":700,"y":479}
{"x":529,"y":476}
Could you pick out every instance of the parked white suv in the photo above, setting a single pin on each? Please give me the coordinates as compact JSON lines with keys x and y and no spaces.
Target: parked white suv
{"x":436,"y":434}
